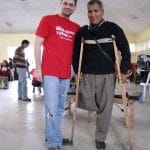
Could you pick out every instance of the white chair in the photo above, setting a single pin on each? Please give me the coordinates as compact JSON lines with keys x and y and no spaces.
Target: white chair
{"x":145,"y":85}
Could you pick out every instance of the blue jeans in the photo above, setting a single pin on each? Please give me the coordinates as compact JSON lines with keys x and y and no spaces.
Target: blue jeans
{"x":55,"y":95}
{"x":22,"y":83}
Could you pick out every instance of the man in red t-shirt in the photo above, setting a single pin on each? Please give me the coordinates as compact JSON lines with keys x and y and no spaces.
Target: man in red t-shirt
{"x":56,"y":33}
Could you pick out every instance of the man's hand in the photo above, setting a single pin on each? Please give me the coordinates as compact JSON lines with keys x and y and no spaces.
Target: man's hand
{"x":76,"y":77}
{"x":123,"y":78}
{"x":38,"y":74}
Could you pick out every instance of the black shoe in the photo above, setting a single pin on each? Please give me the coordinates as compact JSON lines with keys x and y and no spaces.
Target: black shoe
{"x":100,"y":145}
{"x":66,"y":141}
{"x":45,"y":140}
{"x":53,"y":148}
{"x":19,"y":98}
{"x":26,"y":99}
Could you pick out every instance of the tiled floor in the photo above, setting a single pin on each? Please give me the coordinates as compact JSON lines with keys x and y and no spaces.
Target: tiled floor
{"x":22,"y":127}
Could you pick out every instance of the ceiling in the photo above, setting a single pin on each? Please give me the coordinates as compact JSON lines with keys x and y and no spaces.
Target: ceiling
{"x":22,"y":16}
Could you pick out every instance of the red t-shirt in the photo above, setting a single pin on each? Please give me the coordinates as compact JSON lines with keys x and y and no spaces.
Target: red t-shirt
{"x":59,"y":34}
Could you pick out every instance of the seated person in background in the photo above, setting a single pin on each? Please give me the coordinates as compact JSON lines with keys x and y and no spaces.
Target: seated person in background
{"x":35,"y":82}
{"x":5,"y":73}
{"x":10,"y":64}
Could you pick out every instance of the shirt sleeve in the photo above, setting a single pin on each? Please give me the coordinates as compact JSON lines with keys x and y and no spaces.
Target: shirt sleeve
{"x":123,"y":46}
{"x":43,"y":27}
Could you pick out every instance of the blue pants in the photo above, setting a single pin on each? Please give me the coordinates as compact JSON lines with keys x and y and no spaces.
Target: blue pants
{"x":55,"y":95}
{"x":22,"y":83}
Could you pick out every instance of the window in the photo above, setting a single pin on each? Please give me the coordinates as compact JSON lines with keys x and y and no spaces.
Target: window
{"x":143,"y":45}
{"x":132,"y":47}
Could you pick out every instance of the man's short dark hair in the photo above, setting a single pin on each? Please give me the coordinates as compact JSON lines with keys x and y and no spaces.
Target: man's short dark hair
{"x":74,"y":1}
{"x":25,"y":42}
{"x":91,"y":2}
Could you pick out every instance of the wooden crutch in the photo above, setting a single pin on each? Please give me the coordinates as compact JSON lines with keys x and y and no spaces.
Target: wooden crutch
{"x":123,"y":93}
{"x":77,"y":92}
{"x":121,"y":84}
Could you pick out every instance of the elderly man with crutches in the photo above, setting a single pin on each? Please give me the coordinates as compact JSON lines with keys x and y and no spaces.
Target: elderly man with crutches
{"x":97,"y":85}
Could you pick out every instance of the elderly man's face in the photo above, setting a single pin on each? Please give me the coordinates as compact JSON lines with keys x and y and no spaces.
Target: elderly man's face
{"x":95,"y":13}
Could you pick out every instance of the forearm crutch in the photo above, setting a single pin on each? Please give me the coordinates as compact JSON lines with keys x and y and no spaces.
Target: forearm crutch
{"x":77,"y":92}
{"x":123,"y":93}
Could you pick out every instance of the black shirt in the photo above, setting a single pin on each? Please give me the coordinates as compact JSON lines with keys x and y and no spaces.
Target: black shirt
{"x":94,"y":61}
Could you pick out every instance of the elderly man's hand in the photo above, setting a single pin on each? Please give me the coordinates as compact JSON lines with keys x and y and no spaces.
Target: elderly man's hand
{"x":123,"y":78}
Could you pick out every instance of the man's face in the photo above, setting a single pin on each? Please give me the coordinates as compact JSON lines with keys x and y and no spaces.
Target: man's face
{"x":95,"y":13}
{"x":67,"y":7}
{"x":25,"y":45}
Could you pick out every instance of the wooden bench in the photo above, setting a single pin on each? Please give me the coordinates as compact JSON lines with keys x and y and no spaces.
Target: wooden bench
{"x":117,"y":101}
